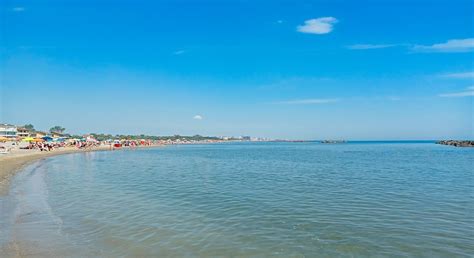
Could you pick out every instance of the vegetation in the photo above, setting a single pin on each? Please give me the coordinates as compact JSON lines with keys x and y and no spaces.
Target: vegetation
{"x":102,"y":137}
{"x":29,"y":127}
{"x":57,"y":129}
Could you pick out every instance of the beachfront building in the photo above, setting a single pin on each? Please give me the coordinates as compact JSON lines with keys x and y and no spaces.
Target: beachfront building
{"x":8,"y":131}
{"x":38,"y":134}
{"x":22,"y":132}
{"x":59,"y":135}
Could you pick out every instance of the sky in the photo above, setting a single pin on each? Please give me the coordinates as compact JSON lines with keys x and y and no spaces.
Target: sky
{"x":354,"y":70}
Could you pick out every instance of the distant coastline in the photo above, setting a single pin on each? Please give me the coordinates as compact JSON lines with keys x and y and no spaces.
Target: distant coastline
{"x":359,"y":141}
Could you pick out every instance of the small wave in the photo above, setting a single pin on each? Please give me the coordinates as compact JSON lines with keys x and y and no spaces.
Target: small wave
{"x":33,"y":223}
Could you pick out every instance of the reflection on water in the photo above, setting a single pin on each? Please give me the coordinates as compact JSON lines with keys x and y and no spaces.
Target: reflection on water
{"x":272,"y":199}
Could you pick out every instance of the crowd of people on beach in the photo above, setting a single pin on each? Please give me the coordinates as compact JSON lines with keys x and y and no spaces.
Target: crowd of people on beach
{"x":44,"y":146}
{"x":79,"y":144}
{"x":85,"y":145}
{"x":49,"y":146}
{"x":88,"y":142}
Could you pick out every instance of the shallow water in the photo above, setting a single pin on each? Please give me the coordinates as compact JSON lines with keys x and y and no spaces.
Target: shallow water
{"x":248,"y":199}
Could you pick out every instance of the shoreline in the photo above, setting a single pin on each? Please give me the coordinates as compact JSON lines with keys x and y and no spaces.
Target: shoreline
{"x":12,"y":163}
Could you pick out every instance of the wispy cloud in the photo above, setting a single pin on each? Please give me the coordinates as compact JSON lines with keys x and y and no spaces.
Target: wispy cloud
{"x":36,"y":47}
{"x":321,"y":25}
{"x":469,"y":92}
{"x":453,"y":45}
{"x":197,"y":117}
{"x":370,"y":46}
{"x":307,"y":101}
{"x":295,"y":82}
{"x":179,"y":52}
{"x":450,"y":46}
{"x":465,"y":75}
{"x":18,"y":9}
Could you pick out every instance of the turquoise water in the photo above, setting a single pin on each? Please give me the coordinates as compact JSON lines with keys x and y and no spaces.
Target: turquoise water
{"x":255,"y":199}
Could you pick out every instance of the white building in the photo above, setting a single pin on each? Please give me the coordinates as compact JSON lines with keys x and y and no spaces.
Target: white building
{"x":8,"y":131}
{"x":22,"y":132}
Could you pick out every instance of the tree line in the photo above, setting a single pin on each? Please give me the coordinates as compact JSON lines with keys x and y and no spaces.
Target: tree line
{"x":103,"y":137}
{"x":54,"y":129}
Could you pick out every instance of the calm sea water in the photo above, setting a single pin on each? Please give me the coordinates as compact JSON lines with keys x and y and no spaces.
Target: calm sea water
{"x":260,"y":199}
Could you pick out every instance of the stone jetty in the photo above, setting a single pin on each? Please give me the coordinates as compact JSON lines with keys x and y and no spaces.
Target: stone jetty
{"x":457,"y":143}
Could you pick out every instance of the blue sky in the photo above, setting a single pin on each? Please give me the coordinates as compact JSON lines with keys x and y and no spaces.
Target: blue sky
{"x":280,"y":69}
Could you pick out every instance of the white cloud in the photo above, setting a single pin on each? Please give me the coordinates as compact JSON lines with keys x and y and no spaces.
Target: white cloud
{"x":466,"y":75}
{"x":450,"y":46}
{"x":307,"y":101}
{"x":369,"y":46}
{"x":467,"y":93}
{"x":197,"y":117}
{"x":179,"y":52}
{"x":321,"y":25}
{"x":453,"y":45}
{"x":18,"y":9}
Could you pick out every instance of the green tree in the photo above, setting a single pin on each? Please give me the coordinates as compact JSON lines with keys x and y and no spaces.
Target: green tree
{"x":57,"y":129}
{"x":29,"y":127}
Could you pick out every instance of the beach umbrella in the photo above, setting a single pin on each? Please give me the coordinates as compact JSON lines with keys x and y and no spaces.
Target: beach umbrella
{"x":28,"y":139}
{"x":3,"y":139}
{"x":38,"y":140}
{"x":60,"y":139}
{"x":47,"y":138}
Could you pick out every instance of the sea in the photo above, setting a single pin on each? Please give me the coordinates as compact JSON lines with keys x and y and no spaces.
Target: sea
{"x":305,"y":199}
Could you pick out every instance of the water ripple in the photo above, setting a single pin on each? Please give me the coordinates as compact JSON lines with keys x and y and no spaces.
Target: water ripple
{"x":282,"y":200}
